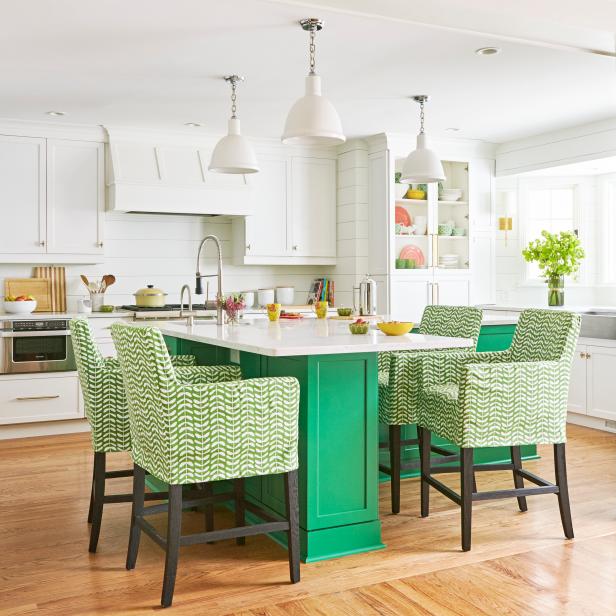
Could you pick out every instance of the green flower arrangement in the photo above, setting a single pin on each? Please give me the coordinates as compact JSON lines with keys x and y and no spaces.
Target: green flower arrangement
{"x":557,"y":255}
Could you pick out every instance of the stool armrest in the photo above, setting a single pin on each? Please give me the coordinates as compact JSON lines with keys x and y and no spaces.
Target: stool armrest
{"x":207,"y":374}
{"x":524,"y":401}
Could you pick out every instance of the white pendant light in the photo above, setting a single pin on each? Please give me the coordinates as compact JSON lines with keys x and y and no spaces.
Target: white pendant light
{"x":313,"y":120}
{"x":233,"y":153}
{"x":422,"y":165}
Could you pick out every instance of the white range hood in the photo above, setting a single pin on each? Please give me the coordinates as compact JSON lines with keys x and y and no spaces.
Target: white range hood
{"x":168,"y":174}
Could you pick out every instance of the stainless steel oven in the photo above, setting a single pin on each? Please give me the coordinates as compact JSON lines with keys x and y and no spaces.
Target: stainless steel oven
{"x":36,"y":345}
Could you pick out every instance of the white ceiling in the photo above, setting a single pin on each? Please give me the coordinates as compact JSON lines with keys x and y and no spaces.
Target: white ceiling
{"x":156,"y":63}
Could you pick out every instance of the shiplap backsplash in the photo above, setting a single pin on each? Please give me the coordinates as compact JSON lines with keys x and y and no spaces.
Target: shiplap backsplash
{"x":161,"y":250}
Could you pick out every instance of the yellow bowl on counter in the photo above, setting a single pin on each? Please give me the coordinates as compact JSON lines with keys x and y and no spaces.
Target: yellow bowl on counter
{"x":395,"y":328}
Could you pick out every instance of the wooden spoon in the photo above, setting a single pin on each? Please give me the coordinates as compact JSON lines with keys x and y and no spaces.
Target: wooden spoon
{"x":108,"y":280}
{"x":85,"y":281}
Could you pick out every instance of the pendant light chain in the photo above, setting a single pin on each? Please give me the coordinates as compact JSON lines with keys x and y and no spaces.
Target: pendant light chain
{"x":421,"y":116}
{"x":233,"y":99}
{"x":312,"y":49}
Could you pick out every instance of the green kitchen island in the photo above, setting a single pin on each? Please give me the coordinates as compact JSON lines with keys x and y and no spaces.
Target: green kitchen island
{"x":338,"y":418}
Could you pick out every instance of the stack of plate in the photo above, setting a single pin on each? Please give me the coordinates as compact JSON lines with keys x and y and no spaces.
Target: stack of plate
{"x":449,"y":261}
{"x":450,"y":194}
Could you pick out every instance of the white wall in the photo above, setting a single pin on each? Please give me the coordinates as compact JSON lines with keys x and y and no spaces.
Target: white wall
{"x":161,"y":250}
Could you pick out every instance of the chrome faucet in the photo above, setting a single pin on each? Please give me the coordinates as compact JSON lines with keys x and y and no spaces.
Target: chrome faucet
{"x":199,"y":276}
{"x":190,"y":315}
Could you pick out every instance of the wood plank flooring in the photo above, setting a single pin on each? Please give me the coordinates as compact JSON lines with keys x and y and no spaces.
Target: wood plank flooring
{"x":520,"y":562}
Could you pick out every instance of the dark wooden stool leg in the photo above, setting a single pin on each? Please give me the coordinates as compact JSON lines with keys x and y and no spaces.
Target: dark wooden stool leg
{"x":137,"y":511}
{"x":424,"y":454}
{"x":560,"y":467}
{"x":91,"y":509}
{"x":292,"y":507}
{"x":240,"y":518}
{"x":208,"y":490}
{"x":466,"y":483}
{"x":516,"y":460}
{"x":99,"y":496}
{"x":174,"y":529}
{"x":394,"y":463}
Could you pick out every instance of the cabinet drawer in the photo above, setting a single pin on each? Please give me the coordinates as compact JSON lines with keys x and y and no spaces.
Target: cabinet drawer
{"x":39,"y":399}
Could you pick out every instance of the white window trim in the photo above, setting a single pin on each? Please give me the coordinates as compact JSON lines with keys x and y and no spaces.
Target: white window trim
{"x":524,"y":186}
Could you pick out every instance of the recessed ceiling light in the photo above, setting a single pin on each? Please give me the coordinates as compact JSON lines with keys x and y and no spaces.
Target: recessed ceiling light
{"x":452,"y":129}
{"x":192,"y":124}
{"x":56,"y":113}
{"x":487,"y":51}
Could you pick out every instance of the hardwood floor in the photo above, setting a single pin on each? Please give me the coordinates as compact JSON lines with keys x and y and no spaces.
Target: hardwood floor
{"x":520,"y":562}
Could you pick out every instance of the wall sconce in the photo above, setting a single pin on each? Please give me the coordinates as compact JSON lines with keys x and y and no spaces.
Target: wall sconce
{"x":505,"y":223}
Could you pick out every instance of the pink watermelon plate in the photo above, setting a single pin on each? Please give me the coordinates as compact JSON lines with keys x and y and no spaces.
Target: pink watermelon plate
{"x":410,"y":251}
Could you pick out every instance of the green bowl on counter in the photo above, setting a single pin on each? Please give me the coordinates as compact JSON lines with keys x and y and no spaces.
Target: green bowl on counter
{"x":345,"y":312}
{"x":359,"y":328}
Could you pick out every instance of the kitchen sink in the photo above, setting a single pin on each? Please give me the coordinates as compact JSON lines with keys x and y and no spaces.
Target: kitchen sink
{"x":598,"y":324}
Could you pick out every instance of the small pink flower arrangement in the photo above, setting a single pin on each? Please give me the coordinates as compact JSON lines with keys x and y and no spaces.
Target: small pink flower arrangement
{"x":232,"y":306}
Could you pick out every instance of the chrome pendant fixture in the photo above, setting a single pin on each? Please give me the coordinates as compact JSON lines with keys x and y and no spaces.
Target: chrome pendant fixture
{"x":233,"y":153}
{"x":422,"y":165}
{"x":313,"y":120}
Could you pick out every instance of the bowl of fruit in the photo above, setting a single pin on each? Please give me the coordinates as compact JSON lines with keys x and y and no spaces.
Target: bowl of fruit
{"x":359,"y":327}
{"x":22,"y":304}
{"x":395,"y":328}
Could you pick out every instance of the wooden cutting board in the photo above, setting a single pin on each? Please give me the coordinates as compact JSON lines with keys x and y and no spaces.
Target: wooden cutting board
{"x":57,"y":279}
{"x":39,"y":288}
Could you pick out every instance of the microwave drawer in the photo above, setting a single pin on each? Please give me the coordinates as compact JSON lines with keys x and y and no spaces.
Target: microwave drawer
{"x":42,"y":398}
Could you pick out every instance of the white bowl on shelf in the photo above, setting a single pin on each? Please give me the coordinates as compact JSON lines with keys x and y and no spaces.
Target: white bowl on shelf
{"x":450,"y":194}
{"x":25,"y":307}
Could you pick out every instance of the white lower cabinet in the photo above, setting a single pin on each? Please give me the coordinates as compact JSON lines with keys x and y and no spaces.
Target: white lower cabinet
{"x":592,"y":390}
{"x":28,"y":398}
{"x":577,"y":384}
{"x":601,"y":385}
{"x":409,"y":296}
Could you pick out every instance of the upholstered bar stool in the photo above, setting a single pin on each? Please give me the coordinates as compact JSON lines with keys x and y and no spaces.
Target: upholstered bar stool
{"x":509,"y":398}
{"x":400,"y":384}
{"x":107,"y":413}
{"x":193,"y":433}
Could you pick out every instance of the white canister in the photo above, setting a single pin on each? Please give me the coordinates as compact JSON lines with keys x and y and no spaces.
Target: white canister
{"x":84,"y":306}
{"x":421,"y":225}
{"x":285,"y":295}
{"x":249,"y":298}
{"x":265,"y":297}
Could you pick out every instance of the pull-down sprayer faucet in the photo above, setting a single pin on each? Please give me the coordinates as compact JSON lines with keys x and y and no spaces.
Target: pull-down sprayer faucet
{"x":199,"y":276}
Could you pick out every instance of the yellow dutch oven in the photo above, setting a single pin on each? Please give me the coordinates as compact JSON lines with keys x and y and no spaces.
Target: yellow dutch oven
{"x":150,"y":297}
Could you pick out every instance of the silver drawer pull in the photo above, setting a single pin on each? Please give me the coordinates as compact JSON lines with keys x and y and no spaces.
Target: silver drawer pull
{"x":24,"y":398}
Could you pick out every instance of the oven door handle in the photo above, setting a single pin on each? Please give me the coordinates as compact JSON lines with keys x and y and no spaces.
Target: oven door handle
{"x":26,"y":398}
{"x":35,"y":334}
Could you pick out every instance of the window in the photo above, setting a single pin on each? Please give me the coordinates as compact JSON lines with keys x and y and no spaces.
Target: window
{"x":551,"y":208}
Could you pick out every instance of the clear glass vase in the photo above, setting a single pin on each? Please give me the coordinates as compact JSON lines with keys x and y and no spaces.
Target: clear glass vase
{"x":556,"y":291}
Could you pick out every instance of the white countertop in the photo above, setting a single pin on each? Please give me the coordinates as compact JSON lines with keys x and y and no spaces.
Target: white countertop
{"x":517,"y":308}
{"x":306,"y":337}
{"x":5,"y":316}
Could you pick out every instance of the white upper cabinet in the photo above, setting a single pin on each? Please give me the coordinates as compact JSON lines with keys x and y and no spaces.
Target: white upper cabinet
{"x":313,"y":185}
{"x":75,"y":197}
{"x":22,"y":195}
{"x":267,"y":228}
{"x":53,"y":191}
{"x":294,"y":217}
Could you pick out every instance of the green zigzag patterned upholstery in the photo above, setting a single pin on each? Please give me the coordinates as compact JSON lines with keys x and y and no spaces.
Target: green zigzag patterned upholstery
{"x":103,"y":388}
{"x":192,"y":433}
{"x":508,"y":398}
{"x":400,"y":381}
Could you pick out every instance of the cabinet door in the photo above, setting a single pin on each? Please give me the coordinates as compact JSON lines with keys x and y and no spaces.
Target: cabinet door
{"x":267,"y":229}
{"x":22,"y":195}
{"x":577,"y":385}
{"x":452,"y":291}
{"x":313,"y":207}
{"x":482,"y":259}
{"x":409,"y":298}
{"x":601,"y":395}
{"x":75,"y":197}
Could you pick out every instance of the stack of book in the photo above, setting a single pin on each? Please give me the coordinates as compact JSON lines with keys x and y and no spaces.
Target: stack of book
{"x":322,"y":289}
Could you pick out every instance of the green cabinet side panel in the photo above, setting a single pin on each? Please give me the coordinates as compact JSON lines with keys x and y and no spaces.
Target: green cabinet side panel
{"x":495,"y":337}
